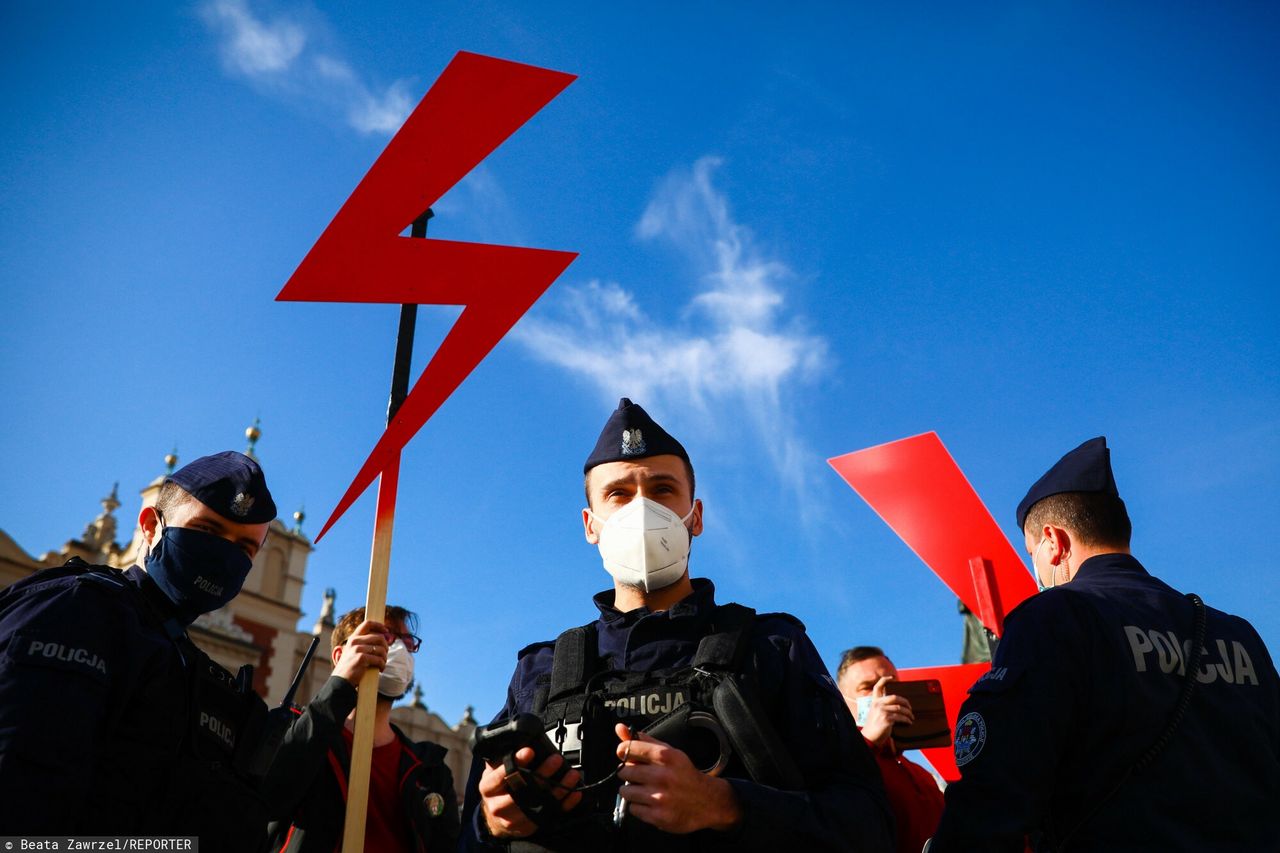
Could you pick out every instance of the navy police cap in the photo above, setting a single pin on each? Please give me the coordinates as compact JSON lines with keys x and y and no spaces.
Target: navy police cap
{"x":631,"y":434}
{"x":229,"y":483}
{"x":1085,"y":469}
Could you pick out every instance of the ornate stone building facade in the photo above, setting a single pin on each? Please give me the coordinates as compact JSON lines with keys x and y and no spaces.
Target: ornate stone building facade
{"x":259,"y":627}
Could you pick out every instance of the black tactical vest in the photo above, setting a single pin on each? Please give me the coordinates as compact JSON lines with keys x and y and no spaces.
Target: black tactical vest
{"x":709,"y":709}
{"x":213,"y":788}
{"x":215,"y":765}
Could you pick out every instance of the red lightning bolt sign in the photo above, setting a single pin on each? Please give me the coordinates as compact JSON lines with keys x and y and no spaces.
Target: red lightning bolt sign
{"x":473,"y":107}
{"x":921,"y":493}
{"x":476,"y":104}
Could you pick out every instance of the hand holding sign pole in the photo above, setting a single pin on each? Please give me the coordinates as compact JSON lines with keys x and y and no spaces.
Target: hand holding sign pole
{"x":918,"y":490}
{"x":473,"y":107}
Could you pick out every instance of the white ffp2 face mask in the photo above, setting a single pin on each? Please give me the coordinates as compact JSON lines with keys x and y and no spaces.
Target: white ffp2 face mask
{"x":397,"y":675}
{"x":644,"y":544}
{"x":864,"y":708}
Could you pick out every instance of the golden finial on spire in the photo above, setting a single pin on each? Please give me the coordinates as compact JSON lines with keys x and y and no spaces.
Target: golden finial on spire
{"x":253,"y":433}
{"x":171,"y":460}
{"x":299,"y":516}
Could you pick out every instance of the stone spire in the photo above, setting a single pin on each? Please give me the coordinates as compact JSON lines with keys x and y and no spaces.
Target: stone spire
{"x":100,"y":535}
{"x":324,"y":623}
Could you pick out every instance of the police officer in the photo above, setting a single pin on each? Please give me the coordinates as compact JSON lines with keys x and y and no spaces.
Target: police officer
{"x":111,"y":720}
{"x":722,"y":727}
{"x":1118,"y":713}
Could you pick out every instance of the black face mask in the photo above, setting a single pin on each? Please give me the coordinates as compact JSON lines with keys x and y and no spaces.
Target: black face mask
{"x":198,"y":571}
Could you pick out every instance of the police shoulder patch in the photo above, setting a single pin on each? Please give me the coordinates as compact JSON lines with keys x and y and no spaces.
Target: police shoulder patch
{"x":997,"y":679}
{"x":971,"y":735}
{"x":57,"y":653}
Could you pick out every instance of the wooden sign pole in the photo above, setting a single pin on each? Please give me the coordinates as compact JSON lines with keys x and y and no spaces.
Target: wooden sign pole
{"x":366,"y":702}
{"x":375,"y":605}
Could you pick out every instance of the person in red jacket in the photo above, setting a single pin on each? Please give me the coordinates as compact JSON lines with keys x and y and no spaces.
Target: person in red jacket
{"x":913,"y":794}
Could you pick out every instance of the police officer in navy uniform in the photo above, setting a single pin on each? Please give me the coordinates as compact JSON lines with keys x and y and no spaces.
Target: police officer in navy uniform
{"x":1103,"y":723}
{"x":723,"y":727}
{"x":111,"y":720}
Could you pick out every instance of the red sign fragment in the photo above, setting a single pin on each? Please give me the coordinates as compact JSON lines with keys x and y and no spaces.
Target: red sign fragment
{"x":920,"y":492}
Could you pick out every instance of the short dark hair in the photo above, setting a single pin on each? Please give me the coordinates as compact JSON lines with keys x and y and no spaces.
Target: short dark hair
{"x":688,"y":468}
{"x":856,"y":654}
{"x":406,"y":619}
{"x":1096,"y":518}
{"x":171,"y":497}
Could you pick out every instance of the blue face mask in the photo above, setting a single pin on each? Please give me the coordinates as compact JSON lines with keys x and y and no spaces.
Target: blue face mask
{"x":198,"y":571}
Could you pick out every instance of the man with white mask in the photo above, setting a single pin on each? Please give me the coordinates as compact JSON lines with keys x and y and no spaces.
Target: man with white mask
{"x":412,"y":804}
{"x":678,"y":724}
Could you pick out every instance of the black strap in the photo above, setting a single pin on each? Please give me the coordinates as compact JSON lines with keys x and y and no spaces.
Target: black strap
{"x":573,"y":662}
{"x":1184,"y":701}
{"x":724,"y":647}
{"x":576,"y":656}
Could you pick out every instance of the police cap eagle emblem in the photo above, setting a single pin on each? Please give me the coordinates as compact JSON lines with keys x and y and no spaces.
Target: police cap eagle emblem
{"x":632,"y":442}
{"x":241,"y":504}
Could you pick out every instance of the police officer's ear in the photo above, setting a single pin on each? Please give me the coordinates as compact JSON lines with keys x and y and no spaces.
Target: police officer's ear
{"x":695,"y":523}
{"x":1059,"y":543}
{"x":588,"y":525}
{"x":149,"y":521}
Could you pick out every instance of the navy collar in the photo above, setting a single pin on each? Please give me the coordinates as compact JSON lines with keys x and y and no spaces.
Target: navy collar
{"x":161,"y":607}
{"x":701,"y":600}
{"x":1110,"y":563}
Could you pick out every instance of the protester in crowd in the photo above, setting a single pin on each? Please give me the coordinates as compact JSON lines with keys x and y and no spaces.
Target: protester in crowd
{"x":862,"y":676}
{"x":412,"y":806}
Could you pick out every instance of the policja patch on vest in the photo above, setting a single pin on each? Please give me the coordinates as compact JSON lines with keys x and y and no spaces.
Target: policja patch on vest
{"x":971,"y":734}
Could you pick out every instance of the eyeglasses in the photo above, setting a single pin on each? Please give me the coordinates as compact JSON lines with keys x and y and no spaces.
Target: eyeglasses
{"x":412,"y":642}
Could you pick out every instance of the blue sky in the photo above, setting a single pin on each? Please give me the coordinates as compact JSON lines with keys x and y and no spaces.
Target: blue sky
{"x":801,"y":234}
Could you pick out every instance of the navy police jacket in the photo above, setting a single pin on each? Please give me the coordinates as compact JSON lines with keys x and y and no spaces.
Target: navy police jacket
{"x":112,"y":724}
{"x":843,"y":806}
{"x":1083,"y":683}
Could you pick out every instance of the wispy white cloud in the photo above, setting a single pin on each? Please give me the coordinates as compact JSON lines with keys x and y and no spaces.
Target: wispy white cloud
{"x":732,"y":341}
{"x":282,"y":57}
{"x":480,"y":204}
